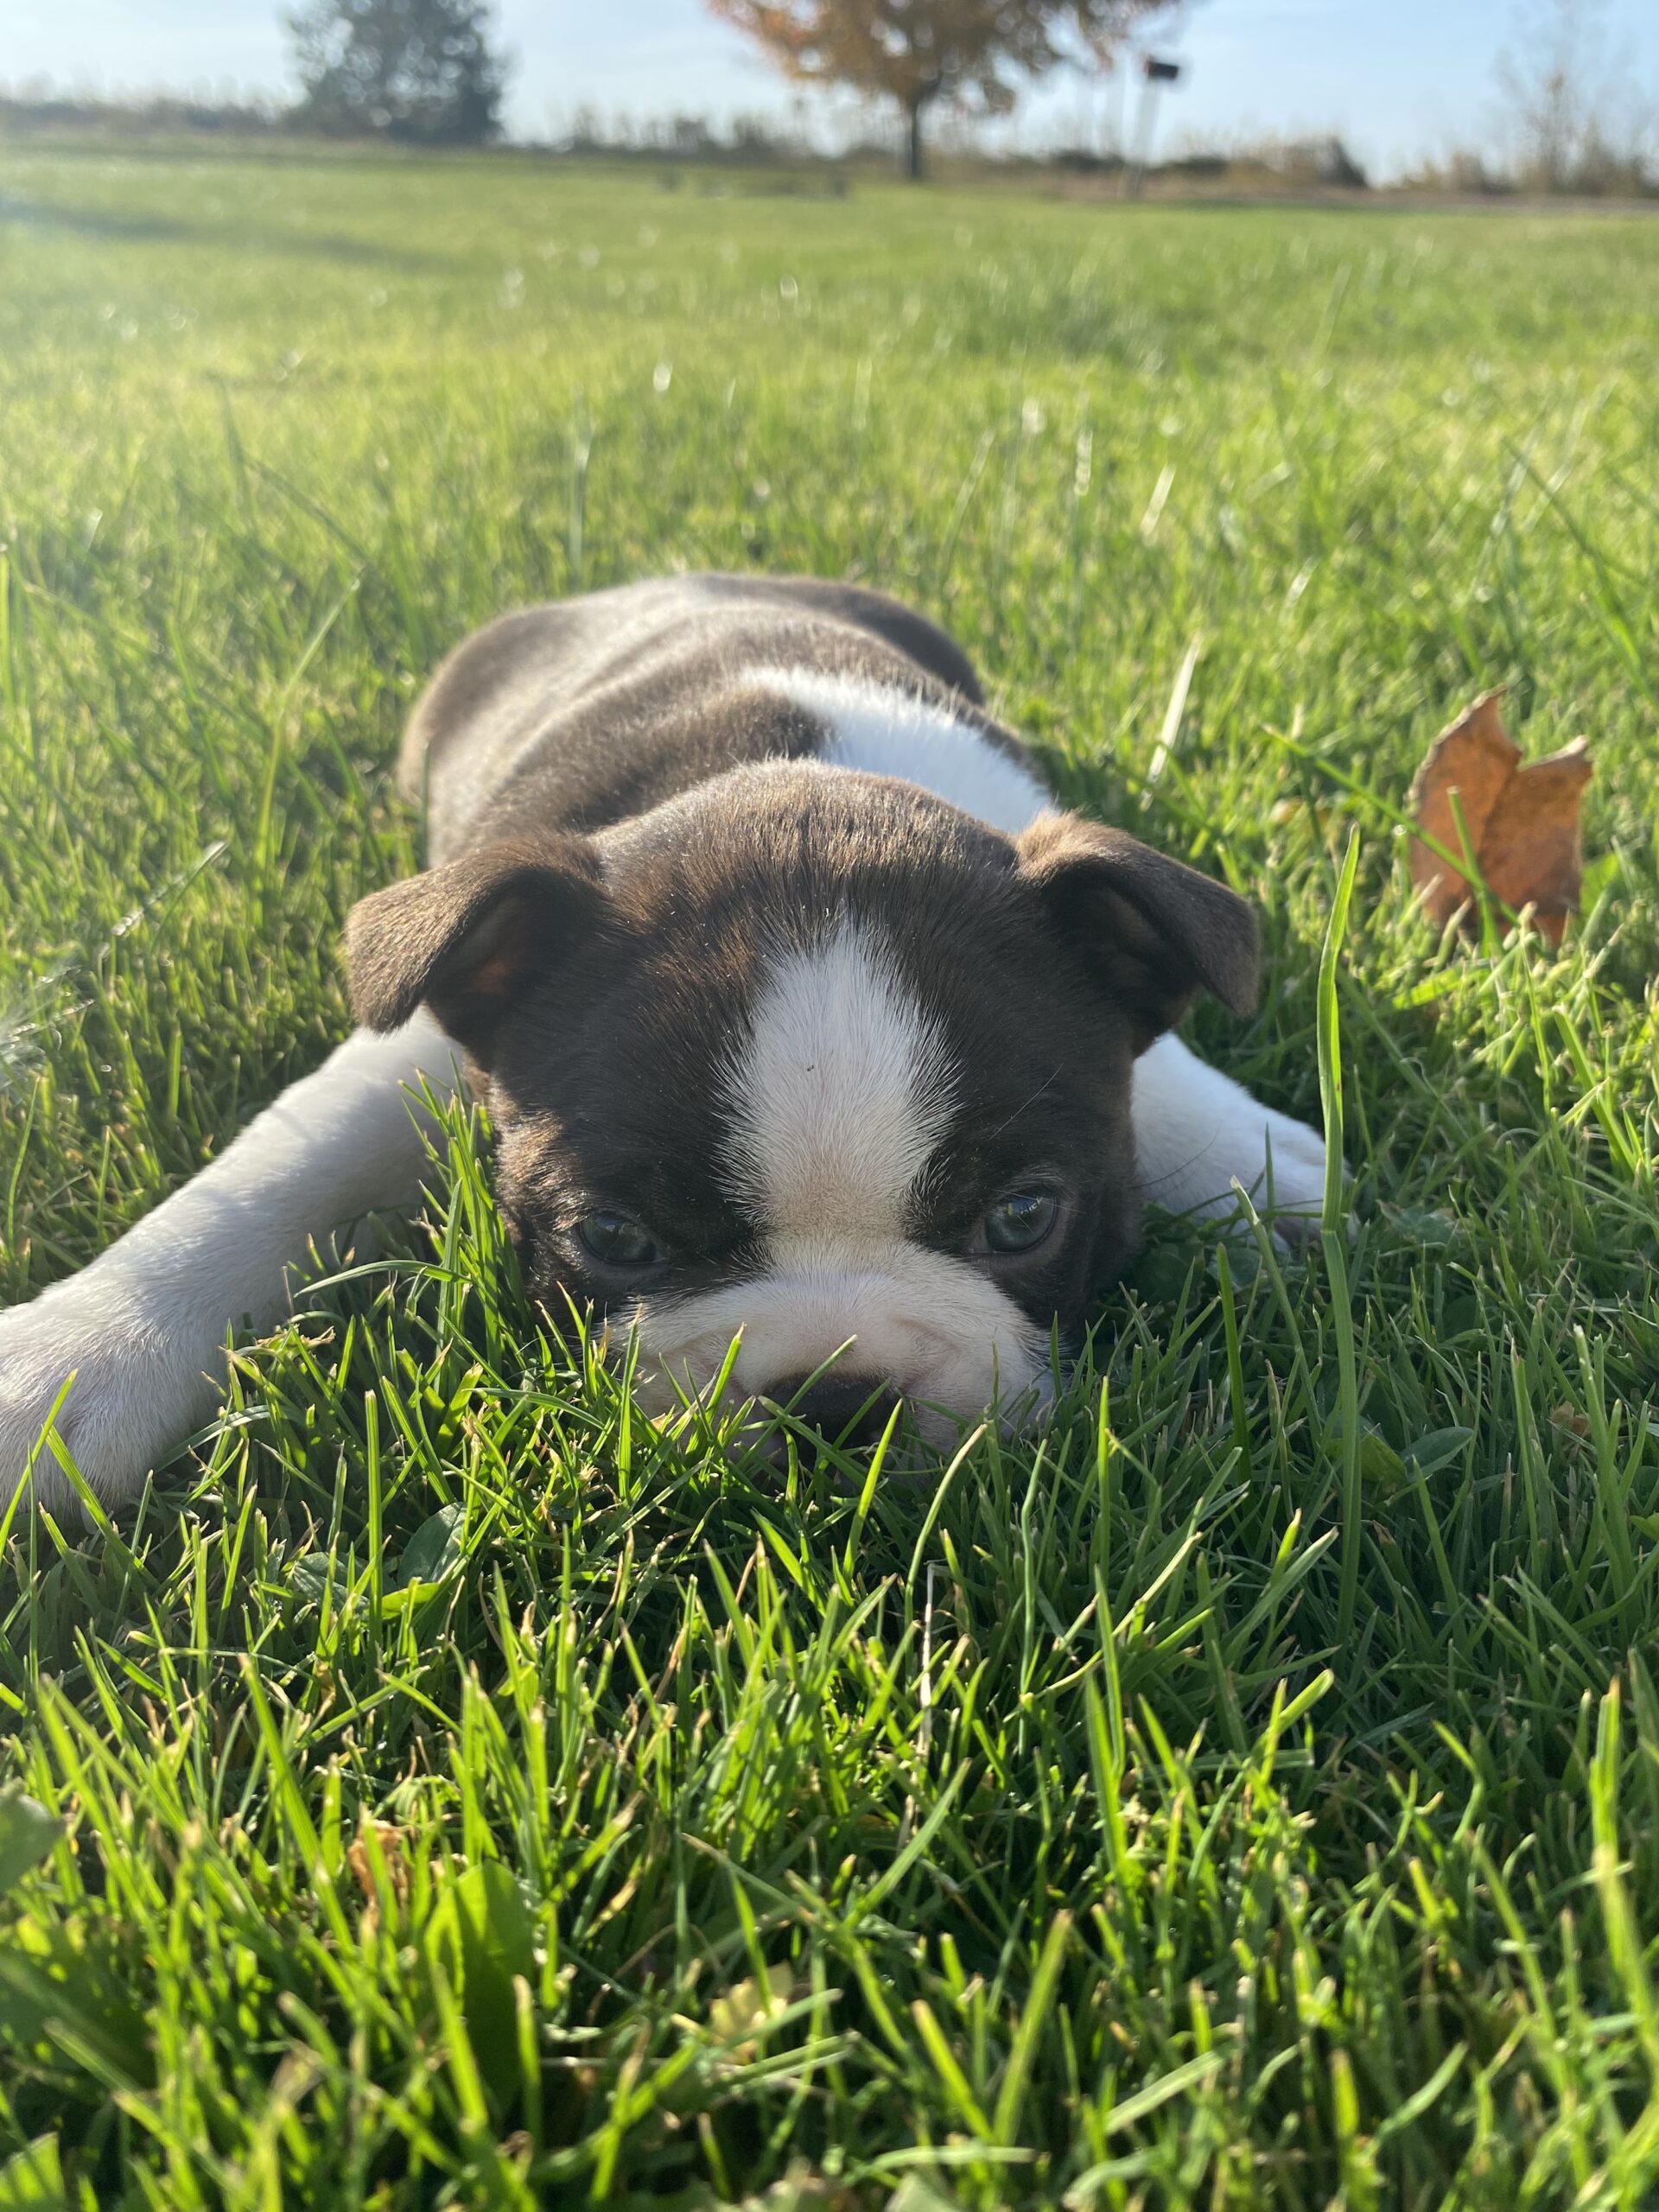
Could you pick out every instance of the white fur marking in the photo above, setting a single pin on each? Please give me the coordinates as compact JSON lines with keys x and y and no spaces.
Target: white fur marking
{"x":839,"y":1094}
{"x":1197,"y":1133}
{"x":887,"y":732}
{"x":837,"y":1100}
{"x":933,"y":1325}
{"x":143,"y":1327}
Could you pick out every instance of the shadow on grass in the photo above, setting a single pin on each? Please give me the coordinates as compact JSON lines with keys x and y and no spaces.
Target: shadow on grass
{"x":144,"y":227}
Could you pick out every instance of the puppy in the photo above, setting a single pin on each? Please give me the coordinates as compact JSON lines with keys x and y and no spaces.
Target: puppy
{"x":802,"y":1017}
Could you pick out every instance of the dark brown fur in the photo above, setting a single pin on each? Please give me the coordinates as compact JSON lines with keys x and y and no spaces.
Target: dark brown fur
{"x":627,"y":829}
{"x":583,"y":713}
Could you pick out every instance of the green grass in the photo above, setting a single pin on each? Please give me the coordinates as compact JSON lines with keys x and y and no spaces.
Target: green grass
{"x":470,"y":1794}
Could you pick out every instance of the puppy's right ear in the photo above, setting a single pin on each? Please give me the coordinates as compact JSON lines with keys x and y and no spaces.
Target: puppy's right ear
{"x":469,"y":938}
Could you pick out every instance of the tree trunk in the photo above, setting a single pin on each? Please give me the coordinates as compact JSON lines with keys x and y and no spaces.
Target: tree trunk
{"x":913,"y":145}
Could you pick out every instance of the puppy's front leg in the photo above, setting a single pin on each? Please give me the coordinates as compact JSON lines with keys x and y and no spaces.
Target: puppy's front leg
{"x":142,"y":1329}
{"x":1197,"y":1132}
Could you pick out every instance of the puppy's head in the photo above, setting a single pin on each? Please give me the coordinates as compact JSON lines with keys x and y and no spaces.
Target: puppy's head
{"x":812,"y":1060}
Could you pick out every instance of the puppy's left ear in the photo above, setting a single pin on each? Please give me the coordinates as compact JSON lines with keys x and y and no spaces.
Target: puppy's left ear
{"x":1155,"y":932}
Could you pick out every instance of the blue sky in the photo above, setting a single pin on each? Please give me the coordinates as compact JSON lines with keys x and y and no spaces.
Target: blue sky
{"x":1396,"y":77}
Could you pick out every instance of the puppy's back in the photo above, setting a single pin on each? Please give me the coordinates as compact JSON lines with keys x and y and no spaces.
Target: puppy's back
{"x":581,"y":712}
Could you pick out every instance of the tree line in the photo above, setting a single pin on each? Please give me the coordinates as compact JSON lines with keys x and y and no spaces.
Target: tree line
{"x":430,"y":72}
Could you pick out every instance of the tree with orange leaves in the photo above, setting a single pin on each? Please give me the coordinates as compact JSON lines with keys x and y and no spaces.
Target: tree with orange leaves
{"x":919,"y":51}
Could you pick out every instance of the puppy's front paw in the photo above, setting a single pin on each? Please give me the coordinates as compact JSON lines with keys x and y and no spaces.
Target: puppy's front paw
{"x":139,"y":1387}
{"x":1201,"y":1137}
{"x":1286,"y":1178}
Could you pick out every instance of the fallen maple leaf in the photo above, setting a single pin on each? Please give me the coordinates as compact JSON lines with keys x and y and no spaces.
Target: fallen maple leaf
{"x":1522,"y":822}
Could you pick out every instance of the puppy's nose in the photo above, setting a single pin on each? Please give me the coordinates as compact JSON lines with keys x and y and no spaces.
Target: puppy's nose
{"x":850,"y":1410}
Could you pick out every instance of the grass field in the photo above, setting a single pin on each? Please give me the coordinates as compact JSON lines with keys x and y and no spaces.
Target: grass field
{"x":471,"y":1795}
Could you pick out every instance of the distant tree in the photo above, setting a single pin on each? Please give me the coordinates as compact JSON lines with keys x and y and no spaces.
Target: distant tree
{"x":1579,"y":124}
{"x":917,"y":52}
{"x":414,"y":69}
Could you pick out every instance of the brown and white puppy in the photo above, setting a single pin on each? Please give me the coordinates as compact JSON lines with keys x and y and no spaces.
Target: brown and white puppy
{"x":803,"y":1020}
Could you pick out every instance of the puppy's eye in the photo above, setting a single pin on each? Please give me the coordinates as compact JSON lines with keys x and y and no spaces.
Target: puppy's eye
{"x":1020,"y":1221}
{"x":616,"y":1241}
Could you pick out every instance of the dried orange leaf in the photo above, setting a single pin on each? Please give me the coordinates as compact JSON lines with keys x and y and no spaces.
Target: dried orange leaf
{"x":1532,"y":853}
{"x":1521,"y":822}
{"x":1475,"y":758}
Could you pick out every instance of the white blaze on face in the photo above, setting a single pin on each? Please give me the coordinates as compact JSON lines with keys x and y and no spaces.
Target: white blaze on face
{"x":839,"y":1097}
{"x":836,"y":1101}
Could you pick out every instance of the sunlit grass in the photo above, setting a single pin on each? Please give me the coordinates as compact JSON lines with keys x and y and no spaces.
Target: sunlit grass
{"x":474,"y":1794}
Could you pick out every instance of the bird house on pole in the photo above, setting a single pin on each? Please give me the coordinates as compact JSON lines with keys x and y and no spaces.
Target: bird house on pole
{"x":1155,"y":74}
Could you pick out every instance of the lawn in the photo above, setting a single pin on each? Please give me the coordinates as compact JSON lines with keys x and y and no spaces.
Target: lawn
{"x":470,"y":1794}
